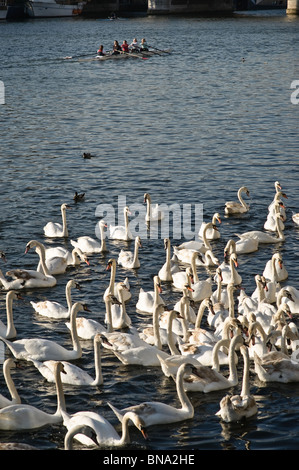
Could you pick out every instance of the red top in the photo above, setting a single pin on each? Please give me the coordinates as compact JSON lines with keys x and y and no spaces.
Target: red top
{"x":125,"y":47}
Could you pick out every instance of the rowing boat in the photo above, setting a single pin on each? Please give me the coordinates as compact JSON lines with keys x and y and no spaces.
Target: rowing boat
{"x":127,"y":55}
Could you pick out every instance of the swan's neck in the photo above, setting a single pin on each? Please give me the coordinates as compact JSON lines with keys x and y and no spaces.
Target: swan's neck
{"x":103,"y":239}
{"x":185,"y":319}
{"x":74,"y":333}
{"x":245,"y":382}
{"x":204,"y":236}
{"x":258,"y":327}
{"x":200,"y":313}
{"x":182,"y":395}
{"x":97,"y":363}
{"x":261,"y":292}
{"x":40,"y":249}
{"x":125,"y":437}
{"x":215,"y":358}
{"x":65,"y":232}
{"x":4,"y":281}
{"x":242,"y":202}
{"x":10,"y":328}
{"x":148,"y":208}
{"x":219,"y":287}
{"x":233,"y":277}
{"x":126,"y":222}
{"x":171,"y":343}
{"x":108,"y":316}
{"x":157,"y":338}
{"x":193,"y":266}
{"x":233,"y":375}
{"x":231,"y":303}
{"x":9,"y":382}
{"x":279,"y":230}
{"x":68,"y":295}
{"x":136,"y":252}
{"x":275,"y":276}
{"x":112,"y":278}
{"x":61,"y":407}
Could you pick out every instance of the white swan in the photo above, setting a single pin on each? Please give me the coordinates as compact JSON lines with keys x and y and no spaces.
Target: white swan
{"x":154,"y":213}
{"x":52,"y":309}
{"x":182,"y":278}
{"x":90,"y":245}
{"x":277,"y":206}
{"x":201,"y":288}
{"x":147,"y":300}
{"x":105,"y":433}
{"x":275,"y":269}
{"x":229,"y":271}
{"x":295,"y":218}
{"x":292,"y":299}
{"x":119,"y":317}
{"x":27,"y":278}
{"x":9,"y":331}
{"x":170,"y":266}
{"x":194,"y":245}
{"x":54,"y":229}
{"x":130,"y":260}
{"x":112,"y":288}
{"x":264,"y":237}
{"x":59,"y":264}
{"x":15,"y":397}
{"x":74,"y":375}
{"x":44,"y":349}
{"x":283,"y":370}
{"x":183,"y":306}
{"x":236,"y":407}
{"x":219,"y":297}
{"x":211,"y":233}
{"x":20,"y":417}
{"x":246,"y":245}
{"x":240,"y":207}
{"x":210,"y":379}
{"x":121,"y":232}
{"x":153,"y":413}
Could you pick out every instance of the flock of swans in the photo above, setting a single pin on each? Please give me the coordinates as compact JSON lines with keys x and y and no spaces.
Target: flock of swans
{"x":213,"y":334}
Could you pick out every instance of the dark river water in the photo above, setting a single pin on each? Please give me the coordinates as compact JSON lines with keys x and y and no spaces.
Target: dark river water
{"x":189,"y":127}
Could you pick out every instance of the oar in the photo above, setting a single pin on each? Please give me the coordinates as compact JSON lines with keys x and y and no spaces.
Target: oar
{"x":131,"y":54}
{"x":160,"y":50}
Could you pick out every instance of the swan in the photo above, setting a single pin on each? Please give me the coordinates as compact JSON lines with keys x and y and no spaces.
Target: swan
{"x":20,"y":417}
{"x":170,"y":266}
{"x":282,"y":370}
{"x":246,"y":245}
{"x":264,"y":237}
{"x":89,"y":245}
{"x":229,"y":272}
{"x":59,"y":264}
{"x":154,"y":213}
{"x":183,"y":306}
{"x":194,"y":245}
{"x":15,"y":398}
{"x":74,"y":375}
{"x":105,"y":433}
{"x":9,"y":331}
{"x":210,"y":379}
{"x":181,"y":278}
{"x":275,"y":269}
{"x":295,"y":218}
{"x":27,"y":278}
{"x":111,"y":265}
{"x":257,"y":343}
{"x":44,"y":349}
{"x":219,"y":297}
{"x":199,"y":335}
{"x":221,"y":311}
{"x":211,"y":233}
{"x":276,"y":207}
{"x":236,"y":407}
{"x":54,"y":229}
{"x":237,"y":207}
{"x":130,"y":260}
{"x":119,"y":317}
{"x":120,"y":232}
{"x":153,"y":413}
{"x":292,"y":299}
{"x":52,"y":309}
{"x":201,"y":289}
{"x":147,"y":300}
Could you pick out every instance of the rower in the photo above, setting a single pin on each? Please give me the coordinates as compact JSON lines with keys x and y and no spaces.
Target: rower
{"x":116,"y":48}
{"x":101,"y":51}
{"x":134,"y":46}
{"x":143,"y":45}
{"x":125,"y":46}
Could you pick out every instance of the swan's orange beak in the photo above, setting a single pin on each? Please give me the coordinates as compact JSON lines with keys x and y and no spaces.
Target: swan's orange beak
{"x":87,"y":261}
{"x":236,"y":263}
